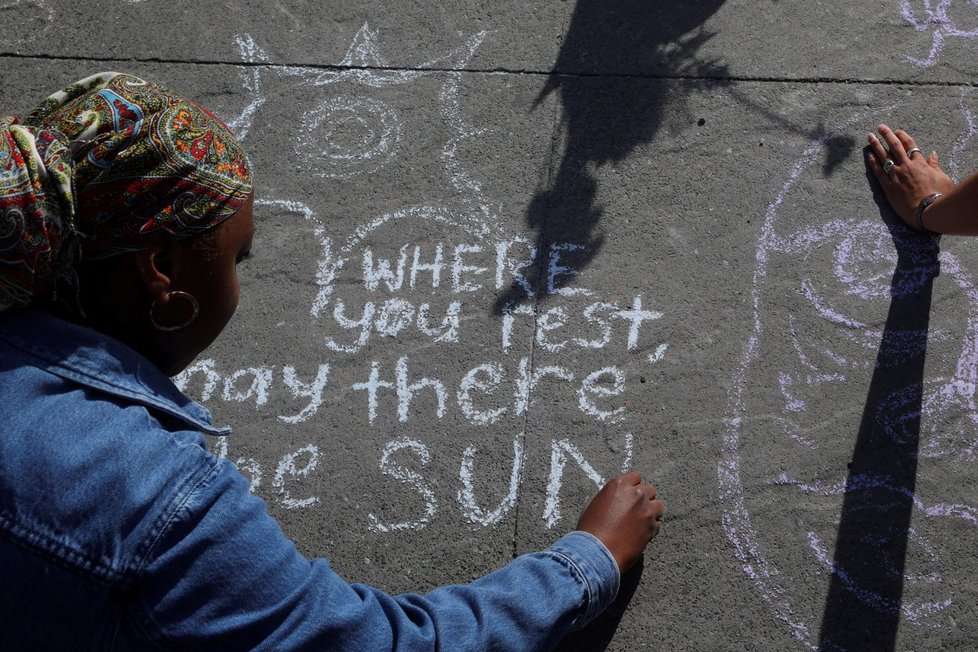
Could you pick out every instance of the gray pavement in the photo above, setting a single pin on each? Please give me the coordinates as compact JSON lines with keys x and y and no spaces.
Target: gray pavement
{"x":506,"y":251}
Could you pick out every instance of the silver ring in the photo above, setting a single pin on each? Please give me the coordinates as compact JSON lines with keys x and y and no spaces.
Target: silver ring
{"x":914,"y":150}
{"x":888,"y":165}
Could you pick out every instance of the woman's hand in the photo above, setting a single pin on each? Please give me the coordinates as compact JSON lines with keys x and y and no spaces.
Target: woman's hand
{"x":910,"y":178}
{"x":625,"y":515}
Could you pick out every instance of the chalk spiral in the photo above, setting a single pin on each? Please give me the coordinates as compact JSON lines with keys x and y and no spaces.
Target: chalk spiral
{"x":347,"y":136}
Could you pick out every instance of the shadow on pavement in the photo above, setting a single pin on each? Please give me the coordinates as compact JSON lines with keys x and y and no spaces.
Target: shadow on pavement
{"x":607,"y":110}
{"x":838,"y":148}
{"x":597,"y":634}
{"x":865,"y":597}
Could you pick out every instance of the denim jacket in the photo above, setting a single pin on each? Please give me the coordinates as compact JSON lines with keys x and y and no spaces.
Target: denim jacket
{"x":119,"y":531}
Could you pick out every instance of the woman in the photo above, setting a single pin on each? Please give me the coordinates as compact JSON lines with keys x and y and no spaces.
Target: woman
{"x":124,"y":210}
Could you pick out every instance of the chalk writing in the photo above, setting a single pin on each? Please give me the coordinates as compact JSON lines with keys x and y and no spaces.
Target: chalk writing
{"x":595,"y":391}
{"x":419,"y":278}
{"x":287,"y":467}
{"x":408,"y":477}
{"x":482,"y":395}
{"x":256,"y":384}
{"x":393,"y":463}
{"x":560,"y":451}
{"x":466,"y":495}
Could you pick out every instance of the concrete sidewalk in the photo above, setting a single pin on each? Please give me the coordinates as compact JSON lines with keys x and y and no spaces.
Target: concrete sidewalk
{"x":505,"y":251}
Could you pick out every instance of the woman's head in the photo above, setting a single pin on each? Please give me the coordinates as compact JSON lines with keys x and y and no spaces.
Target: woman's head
{"x":184,"y":291}
{"x":132,"y":198}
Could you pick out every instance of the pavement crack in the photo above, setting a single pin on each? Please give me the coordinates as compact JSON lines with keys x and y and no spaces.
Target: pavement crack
{"x":499,"y":70}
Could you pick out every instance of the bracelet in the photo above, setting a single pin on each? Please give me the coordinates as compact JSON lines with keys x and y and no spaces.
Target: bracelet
{"x":924,"y":203}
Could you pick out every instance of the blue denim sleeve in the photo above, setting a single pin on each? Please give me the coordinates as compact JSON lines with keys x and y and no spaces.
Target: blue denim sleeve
{"x":222,"y":575}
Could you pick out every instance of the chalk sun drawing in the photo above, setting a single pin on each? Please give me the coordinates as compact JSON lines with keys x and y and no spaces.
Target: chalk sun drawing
{"x":816,"y":332}
{"x":346,"y":135}
{"x":944,"y":18}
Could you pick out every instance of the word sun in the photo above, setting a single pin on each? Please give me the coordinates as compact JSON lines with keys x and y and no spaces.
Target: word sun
{"x":398,"y":461}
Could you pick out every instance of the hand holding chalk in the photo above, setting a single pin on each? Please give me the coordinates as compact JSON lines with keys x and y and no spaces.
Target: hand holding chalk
{"x":625,"y":516}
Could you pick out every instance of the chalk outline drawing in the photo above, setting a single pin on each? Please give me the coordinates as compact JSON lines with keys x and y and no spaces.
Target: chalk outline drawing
{"x":936,"y":16}
{"x":957,"y":390}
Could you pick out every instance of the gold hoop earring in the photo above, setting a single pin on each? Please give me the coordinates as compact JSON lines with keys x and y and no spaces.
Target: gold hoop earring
{"x":180,"y":294}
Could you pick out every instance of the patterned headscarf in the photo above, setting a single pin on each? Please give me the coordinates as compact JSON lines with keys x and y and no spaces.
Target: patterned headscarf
{"x":108,"y":165}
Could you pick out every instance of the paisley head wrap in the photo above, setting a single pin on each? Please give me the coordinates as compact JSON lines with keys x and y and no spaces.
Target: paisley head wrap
{"x":111,"y":164}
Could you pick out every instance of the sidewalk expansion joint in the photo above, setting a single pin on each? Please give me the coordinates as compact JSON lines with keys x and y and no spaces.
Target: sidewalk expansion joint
{"x":709,"y":79}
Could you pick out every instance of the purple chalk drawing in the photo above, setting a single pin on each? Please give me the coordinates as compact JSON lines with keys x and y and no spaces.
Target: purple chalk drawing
{"x":964,"y":141}
{"x":944,"y":18}
{"x":820,"y":294}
